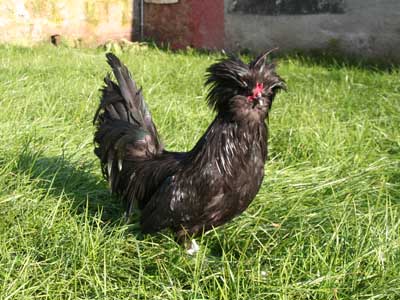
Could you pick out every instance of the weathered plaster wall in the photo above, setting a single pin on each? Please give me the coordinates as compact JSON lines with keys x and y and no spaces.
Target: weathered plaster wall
{"x":366,"y":27}
{"x":93,"y":21}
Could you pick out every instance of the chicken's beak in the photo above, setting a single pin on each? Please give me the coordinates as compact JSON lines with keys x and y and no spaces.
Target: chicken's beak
{"x":261,"y":101}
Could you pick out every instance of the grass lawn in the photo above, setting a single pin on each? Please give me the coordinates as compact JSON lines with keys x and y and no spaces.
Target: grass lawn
{"x":325,"y":224}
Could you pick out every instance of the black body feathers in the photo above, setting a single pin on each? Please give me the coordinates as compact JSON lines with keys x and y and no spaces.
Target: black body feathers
{"x":194,"y":191}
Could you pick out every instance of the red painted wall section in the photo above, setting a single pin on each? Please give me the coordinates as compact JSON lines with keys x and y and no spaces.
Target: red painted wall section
{"x":195,"y":23}
{"x":168,"y":23}
{"x":208,"y":20}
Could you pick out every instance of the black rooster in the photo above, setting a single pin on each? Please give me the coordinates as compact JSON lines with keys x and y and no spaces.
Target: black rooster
{"x":188,"y":192}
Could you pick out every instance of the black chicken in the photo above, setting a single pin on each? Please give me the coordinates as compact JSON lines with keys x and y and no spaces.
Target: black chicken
{"x":188,"y":192}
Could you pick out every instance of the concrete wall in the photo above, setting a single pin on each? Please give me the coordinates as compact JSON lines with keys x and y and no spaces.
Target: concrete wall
{"x":367,"y":27}
{"x":92,"y":21}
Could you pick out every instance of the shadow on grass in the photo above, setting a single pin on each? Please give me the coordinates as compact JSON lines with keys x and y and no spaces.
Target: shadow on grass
{"x":330,"y":57}
{"x":60,"y":176}
{"x":335,"y":59}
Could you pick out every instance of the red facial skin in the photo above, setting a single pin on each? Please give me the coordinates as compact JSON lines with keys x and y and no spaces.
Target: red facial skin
{"x":256,"y":92}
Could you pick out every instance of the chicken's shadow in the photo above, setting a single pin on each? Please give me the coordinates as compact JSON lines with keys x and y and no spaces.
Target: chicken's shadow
{"x":72,"y":180}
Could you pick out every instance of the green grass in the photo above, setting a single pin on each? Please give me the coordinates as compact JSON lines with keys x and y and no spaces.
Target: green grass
{"x":325,"y":224}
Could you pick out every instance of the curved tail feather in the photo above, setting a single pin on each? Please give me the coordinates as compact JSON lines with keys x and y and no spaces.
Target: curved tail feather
{"x":124,"y":126}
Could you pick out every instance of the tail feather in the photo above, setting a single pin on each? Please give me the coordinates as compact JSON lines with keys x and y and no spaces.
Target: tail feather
{"x":125,"y":129}
{"x":130,"y":93}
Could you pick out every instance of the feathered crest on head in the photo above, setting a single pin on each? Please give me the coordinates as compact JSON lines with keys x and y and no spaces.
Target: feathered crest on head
{"x":259,"y":64}
{"x":231,"y":76}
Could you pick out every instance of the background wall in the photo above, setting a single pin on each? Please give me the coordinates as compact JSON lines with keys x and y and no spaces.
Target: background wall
{"x":366,"y":27}
{"x":195,"y":23}
{"x":93,"y":21}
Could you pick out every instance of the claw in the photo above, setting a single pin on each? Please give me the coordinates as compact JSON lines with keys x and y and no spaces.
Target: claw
{"x":194,"y":248}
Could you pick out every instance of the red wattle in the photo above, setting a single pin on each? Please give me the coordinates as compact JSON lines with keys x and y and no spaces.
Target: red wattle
{"x":256,"y":91}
